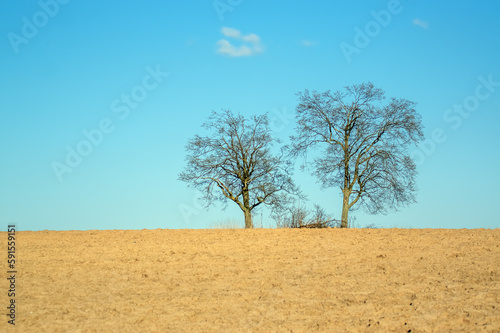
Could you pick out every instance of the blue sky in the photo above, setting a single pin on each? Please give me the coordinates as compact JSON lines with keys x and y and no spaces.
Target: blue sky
{"x":140,"y":78}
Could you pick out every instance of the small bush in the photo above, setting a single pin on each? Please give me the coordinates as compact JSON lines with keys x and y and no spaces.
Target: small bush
{"x":297,"y":218}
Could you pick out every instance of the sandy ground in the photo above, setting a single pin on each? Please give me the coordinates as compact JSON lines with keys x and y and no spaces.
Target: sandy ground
{"x":262,"y":280}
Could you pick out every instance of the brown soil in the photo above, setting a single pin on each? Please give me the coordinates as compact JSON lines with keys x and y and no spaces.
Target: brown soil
{"x":261,"y":280}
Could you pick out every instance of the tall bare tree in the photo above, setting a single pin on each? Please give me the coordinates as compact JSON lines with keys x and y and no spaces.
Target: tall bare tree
{"x":365,"y":145}
{"x":236,"y":163}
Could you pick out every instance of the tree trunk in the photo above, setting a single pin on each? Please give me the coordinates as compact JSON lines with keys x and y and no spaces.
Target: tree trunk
{"x":247,"y":211}
{"x":345,"y":210}
{"x":248,"y":219}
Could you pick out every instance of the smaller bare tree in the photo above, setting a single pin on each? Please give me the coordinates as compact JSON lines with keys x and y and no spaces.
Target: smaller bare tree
{"x":236,"y":163}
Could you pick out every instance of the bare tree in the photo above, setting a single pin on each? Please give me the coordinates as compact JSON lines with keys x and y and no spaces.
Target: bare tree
{"x":365,"y":145}
{"x":236,"y":163}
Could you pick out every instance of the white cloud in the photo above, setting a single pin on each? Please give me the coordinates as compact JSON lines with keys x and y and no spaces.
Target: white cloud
{"x":252,"y":38}
{"x":420,"y":23}
{"x":230,"y":32}
{"x":308,"y":43}
{"x":225,"y":47}
{"x":251,"y":43}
